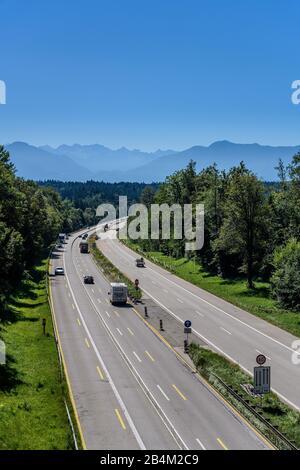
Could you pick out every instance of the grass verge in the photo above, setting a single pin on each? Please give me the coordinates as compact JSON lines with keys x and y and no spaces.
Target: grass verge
{"x":32,"y":409}
{"x":111,"y":272}
{"x":257,"y":301}
{"x":213,"y":366}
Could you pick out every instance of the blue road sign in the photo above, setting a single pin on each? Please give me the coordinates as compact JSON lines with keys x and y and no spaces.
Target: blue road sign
{"x":188,"y":323}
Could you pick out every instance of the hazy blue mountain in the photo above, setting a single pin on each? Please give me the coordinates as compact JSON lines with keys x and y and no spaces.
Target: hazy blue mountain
{"x":261,"y":159}
{"x":81,"y":162}
{"x":100,"y":158}
{"x":37,"y":164}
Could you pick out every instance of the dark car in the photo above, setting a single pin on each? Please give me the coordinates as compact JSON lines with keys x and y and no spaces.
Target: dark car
{"x":88,"y":280}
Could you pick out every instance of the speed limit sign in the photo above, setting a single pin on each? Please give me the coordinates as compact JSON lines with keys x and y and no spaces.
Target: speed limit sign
{"x":260,"y":359}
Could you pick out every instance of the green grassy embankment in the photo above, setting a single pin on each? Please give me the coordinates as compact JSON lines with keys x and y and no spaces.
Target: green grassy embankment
{"x":213,"y":366}
{"x":257,"y":301}
{"x":32,"y":409}
{"x":111,"y":272}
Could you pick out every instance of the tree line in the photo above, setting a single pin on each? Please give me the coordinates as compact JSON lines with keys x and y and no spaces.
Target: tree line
{"x":32,"y":214}
{"x":30,"y":219}
{"x":252,"y":228}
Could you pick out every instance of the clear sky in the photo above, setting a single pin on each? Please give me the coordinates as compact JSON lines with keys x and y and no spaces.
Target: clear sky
{"x":149,"y":73}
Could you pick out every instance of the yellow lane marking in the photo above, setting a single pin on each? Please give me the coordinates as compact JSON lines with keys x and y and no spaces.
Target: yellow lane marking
{"x":203,"y":380}
{"x":222,"y":444}
{"x":100,"y":373}
{"x":149,"y":355}
{"x":78,"y":321}
{"x":73,"y":306}
{"x":120,"y":419}
{"x":130,"y":331}
{"x":65,"y":366}
{"x":87,"y":343}
{"x":179,"y":392}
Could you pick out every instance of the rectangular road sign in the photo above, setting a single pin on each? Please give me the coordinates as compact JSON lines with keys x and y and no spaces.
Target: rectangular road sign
{"x":187,"y":330}
{"x":262,"y":379}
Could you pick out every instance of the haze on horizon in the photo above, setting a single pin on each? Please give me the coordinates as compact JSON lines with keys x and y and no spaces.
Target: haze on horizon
{"x":149,"y":75}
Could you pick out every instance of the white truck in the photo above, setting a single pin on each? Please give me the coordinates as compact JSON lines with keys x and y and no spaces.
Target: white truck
{"x":118,"y":293}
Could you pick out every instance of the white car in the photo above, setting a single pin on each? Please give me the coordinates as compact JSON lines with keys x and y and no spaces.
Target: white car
{"x":59,"y":271}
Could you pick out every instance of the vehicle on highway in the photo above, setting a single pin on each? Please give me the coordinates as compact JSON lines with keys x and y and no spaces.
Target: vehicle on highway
{"x":88,"y":280}
{"x":140,"y":262}
{"x":105,"y":227}
{"x":62,"y":237}
{"x":59,"y":271}
{"x":85,"y":235}
{"x":118,"y":293}
{"x":84,"y":247}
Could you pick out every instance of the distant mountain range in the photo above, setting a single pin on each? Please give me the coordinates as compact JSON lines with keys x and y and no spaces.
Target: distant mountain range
{"x":85,"y":162}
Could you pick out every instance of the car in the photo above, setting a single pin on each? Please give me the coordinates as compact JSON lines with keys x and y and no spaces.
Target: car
{"x":88,"y":280}
{"x":59,"y":271}
{"x":79,"y":236}
{"x":140,"y":262}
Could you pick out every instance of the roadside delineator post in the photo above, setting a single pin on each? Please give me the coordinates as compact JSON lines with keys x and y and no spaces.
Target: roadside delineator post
{"x":146,"y":312}
{"x":44,"y":326}
{"x":161,"y":325}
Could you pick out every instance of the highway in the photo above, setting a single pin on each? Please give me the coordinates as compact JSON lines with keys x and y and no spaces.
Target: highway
{"x":229,"y":330}
{"x":129,"y":389}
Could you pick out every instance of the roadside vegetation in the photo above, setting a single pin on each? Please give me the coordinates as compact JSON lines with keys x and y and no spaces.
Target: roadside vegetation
{"x":251,"y":252}
{"x":32,"y":409}
{"x":258,"y":301}
{"x":111,"y":272}
{"x":213,"y":367}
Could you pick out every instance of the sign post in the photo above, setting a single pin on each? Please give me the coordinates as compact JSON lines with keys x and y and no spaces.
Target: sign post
{"x":262,"y":376}
{"x":187,"y":331}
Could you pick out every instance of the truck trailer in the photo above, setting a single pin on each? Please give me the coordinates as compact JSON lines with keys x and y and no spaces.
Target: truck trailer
{"x":118,"y":293}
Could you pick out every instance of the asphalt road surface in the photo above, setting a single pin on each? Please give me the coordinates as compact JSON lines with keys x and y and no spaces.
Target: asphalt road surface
{"x":130,"y":390}
{"x":229,"y":330}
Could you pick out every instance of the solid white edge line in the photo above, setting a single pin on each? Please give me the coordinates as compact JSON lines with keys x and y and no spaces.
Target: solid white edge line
{"x":280,"y":395}
{"x":214,"y":306}
{"x":223,"y":353}
{"x":116,"y":393}
{"x":166,"y":421}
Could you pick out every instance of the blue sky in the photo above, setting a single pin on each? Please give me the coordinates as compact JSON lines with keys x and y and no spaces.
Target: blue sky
{"x":149,"y":73}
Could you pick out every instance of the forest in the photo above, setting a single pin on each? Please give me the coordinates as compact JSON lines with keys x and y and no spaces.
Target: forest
{"x":31,"y":217}
{"x":252,"y":228}
{"x":32,"y":214}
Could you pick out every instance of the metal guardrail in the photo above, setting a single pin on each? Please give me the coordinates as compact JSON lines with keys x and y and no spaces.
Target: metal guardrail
{"x":277,"y":434}
{"x":62,"y":374}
